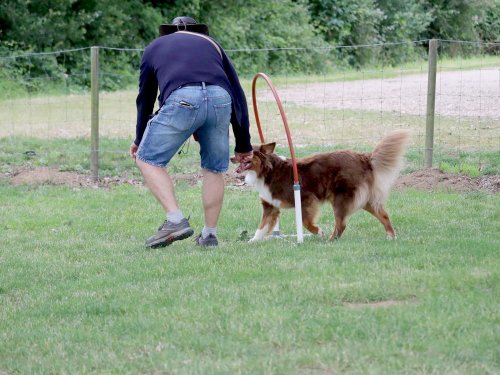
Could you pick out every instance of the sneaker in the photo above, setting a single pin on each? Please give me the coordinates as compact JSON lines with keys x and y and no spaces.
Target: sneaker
{"x":211,"y":240}
{"x":169,"y":232}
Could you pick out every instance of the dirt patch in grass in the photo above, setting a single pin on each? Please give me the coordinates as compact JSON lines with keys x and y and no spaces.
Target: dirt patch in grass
{"x":425,"y":179}
{"x":378,"y":304}
{"x":434,"y":179}
{"x":53,"y":176}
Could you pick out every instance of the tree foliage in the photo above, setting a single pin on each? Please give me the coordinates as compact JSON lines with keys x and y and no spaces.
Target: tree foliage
{"x":292,"y":26}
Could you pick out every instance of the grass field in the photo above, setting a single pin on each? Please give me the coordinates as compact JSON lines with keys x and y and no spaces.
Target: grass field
{"x":79,"y":294}
{"x":73,"y":155}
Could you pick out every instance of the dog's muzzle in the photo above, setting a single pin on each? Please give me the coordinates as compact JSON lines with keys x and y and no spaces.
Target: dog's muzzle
{"x":244,"y":166}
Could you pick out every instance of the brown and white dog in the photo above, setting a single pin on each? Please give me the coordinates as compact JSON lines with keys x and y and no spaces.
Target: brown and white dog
{"x":348,"y":180}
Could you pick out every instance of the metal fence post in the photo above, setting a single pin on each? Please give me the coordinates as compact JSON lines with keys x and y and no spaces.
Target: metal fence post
{"x":94,"y":108}
{"x":431,"y":102}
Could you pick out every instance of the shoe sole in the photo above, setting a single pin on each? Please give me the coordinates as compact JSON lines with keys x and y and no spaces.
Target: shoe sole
{"x":214,"y":243}
{"x":208,"y":245}
{"x":177,"y":236}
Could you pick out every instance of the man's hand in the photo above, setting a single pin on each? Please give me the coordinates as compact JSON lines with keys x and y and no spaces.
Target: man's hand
{"x":133,"y":150}
{"x":245,"y":160}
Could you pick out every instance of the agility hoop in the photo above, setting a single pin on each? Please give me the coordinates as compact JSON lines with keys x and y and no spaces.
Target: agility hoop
{"x":296,"y":184}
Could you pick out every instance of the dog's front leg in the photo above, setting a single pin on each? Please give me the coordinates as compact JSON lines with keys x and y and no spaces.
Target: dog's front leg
{"x":270,"y":215}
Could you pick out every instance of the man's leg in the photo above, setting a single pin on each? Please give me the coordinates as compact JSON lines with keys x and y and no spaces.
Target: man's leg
{"x":160,"y":184}
{"x":213,"y":196}
{"x":214,"y":152}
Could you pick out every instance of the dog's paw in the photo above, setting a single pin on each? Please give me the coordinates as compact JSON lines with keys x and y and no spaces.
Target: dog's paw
{"x":391,"y":238}
{"x":259,"y":235}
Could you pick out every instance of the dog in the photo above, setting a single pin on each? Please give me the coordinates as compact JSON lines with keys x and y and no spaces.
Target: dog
{"x":347,"y":179}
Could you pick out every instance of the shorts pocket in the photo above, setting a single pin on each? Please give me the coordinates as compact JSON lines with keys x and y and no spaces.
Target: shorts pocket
{"x":222,"y":115}
{"x":179,"y":115}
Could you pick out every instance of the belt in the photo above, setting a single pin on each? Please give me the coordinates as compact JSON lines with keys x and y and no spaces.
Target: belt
{"x":195,"y":84}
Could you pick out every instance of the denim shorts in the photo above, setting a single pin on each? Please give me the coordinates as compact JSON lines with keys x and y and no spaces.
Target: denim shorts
{"x":205,"y":110}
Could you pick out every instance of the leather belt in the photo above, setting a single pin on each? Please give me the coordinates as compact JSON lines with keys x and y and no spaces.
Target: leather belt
{"x":195,"y":84}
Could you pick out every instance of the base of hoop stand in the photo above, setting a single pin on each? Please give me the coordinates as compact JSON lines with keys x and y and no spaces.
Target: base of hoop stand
{"x":283,"y":236}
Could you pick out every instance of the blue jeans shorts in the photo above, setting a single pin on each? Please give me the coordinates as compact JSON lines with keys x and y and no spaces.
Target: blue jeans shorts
{"x":204,"y":109}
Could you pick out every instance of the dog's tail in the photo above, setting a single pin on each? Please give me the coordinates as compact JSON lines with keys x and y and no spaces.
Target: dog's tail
{"x":387,"y":161}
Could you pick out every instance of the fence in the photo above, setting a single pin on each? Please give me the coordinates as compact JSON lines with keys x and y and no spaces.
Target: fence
{"x":450,"y":104}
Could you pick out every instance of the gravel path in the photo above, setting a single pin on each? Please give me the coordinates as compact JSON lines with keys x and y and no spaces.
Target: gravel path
{"x":467,"y":93}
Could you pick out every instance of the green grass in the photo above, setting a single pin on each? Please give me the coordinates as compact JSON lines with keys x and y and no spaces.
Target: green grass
{"x":80,"y":294}
{"x":74,"y":155}
{"x":467,"y":169}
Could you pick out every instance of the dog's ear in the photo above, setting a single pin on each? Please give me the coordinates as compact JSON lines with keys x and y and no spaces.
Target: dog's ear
{"x":268,"y":148}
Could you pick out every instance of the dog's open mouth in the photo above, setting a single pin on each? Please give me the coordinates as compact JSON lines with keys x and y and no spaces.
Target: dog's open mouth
{"x":244,"y":166}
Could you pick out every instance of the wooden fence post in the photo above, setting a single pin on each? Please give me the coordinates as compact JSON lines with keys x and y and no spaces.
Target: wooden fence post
{"x":431,"y":102}
{"x":94,"y":108}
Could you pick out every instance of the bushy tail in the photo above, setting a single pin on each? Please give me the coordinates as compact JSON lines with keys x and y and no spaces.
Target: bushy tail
{"x":387,"y":161}
{"x":388,"y":155}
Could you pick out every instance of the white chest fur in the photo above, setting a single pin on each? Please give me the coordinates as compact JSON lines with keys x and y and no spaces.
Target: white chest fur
{"x":262,"y":189}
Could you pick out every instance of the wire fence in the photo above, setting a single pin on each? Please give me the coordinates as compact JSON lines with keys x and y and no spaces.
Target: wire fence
{"x":338,"y":108}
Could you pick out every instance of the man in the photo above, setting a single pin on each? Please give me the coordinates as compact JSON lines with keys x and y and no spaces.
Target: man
{"x":200,"y":95}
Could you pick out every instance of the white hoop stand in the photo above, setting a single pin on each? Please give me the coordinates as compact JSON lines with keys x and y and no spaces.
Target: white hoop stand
{"x":298,"y":213}
{"x":298,"y":217}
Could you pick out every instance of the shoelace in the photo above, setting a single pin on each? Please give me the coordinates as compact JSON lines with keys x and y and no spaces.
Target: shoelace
{"x":165,"y":222}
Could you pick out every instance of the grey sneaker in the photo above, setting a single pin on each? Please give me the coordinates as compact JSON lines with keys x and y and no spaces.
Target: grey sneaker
{"x":169,"y":232}
{"x":211,"y":241}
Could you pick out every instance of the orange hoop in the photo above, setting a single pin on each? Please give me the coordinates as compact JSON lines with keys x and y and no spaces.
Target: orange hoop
{"x":287,"y":130}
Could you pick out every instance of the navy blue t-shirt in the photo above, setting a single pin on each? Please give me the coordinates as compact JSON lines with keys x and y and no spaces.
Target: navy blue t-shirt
{"x":177,"y":59}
